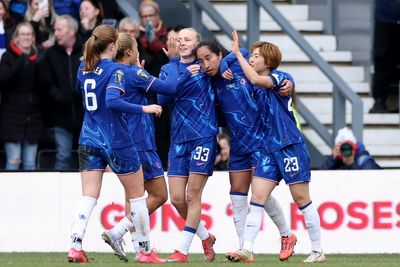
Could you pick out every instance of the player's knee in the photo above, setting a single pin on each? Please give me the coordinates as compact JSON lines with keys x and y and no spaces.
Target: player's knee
{"x":177,"y":201}
{"x":162,"y":199}
{"x":193,"y":198}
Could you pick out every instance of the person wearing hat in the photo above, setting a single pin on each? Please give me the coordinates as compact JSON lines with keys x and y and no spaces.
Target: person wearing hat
{"x":348,"y":154}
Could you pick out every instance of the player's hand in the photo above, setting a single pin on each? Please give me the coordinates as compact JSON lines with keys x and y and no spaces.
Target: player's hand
{"x":194,"y":69}
{"x":227,"y":74}
{"x":171,"y":50}
{"x":154,"y":109}
{"x":235,"y":43}
{"x":286,"y":89}
{"x":138,"y":63}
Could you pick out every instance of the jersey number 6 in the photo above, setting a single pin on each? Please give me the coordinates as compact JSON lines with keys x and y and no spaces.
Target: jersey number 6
{"x":90,"y":97}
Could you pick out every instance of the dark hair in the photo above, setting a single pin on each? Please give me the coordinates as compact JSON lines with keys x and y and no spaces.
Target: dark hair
{"x":99,"y":6}
{"x":102,"y":36}
{"x":213,"y":46}
{"x":178,"y":28}
{"x":6,"y":12}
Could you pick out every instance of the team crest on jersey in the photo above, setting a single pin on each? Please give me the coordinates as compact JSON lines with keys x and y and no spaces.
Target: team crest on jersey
{"x":243,"y":81}
{"x":119,"y":76}
{"x":143,"y":74}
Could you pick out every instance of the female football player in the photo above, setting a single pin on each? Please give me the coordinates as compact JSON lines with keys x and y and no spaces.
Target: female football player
{"x":104,"y":138}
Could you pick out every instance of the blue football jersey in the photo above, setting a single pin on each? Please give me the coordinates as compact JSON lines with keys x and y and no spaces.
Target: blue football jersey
{"x":240,"y":111}
{"x":102,"y":127}
{"x":277,"y":114}
{"x":140,"y":125}
{"x":193,"y":111}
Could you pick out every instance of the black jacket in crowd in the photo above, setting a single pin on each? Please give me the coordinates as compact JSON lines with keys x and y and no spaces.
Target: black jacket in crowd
{"x":21,"y":88}
{"x":64,"y":102}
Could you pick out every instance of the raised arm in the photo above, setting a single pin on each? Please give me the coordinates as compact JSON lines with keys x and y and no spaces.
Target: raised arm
{"x":251,"y":74}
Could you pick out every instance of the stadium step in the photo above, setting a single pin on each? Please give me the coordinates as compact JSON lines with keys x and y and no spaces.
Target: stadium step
{"x":312,"y":87}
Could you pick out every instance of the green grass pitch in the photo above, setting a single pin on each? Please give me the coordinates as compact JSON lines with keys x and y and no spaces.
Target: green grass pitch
{"x":196,"y":260}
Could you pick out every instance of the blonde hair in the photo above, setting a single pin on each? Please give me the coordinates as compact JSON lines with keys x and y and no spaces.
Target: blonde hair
{"x":18,"y":28}
{"x":101,"y":38}
{"x":125,"y":42}
{"x":42,"y":23}
{"x":198,"y":35}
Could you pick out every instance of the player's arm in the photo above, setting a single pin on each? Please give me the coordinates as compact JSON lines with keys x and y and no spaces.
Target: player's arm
{"x":115,"y":102}
{"x":114,"y":91}
{"x":166,"y":83}
{"x":225,"y":67}
{"x":251,"y":74}
{"x":231,"y":58}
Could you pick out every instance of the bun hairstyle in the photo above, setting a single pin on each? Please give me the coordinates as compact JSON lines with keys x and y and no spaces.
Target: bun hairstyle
{"x":101,"y":38}
{"x":125,"y":42}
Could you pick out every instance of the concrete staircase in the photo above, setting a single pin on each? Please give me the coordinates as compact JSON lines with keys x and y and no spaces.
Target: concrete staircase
{"x":312,"y":87}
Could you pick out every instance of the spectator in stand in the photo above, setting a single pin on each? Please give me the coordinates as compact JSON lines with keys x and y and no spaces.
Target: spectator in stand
{"x":42,"y":18}
{"x":130,"y":26}
{"x":348,"y":154}
{"x":21,"y":110}
{"x":386,"y":54}
{"x":62,"y":63}
{"x":67,"y":7}
{"x":222,"y":159}
{"x":153,"y":36}
{"x":5,"y":27}
{"x":91,"y":15}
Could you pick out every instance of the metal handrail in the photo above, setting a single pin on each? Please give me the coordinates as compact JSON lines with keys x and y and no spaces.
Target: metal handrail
{"x":197,"y":5}
{"x":341,"y":91}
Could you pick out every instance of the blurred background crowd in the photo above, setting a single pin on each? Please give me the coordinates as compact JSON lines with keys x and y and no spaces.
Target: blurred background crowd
{"x":40,"y":49}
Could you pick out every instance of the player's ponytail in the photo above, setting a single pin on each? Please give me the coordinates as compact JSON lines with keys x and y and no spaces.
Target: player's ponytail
{"x":102,"y":37}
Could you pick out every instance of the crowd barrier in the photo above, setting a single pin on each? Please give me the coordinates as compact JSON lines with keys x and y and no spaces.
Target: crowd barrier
{"x":360,"y":213}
